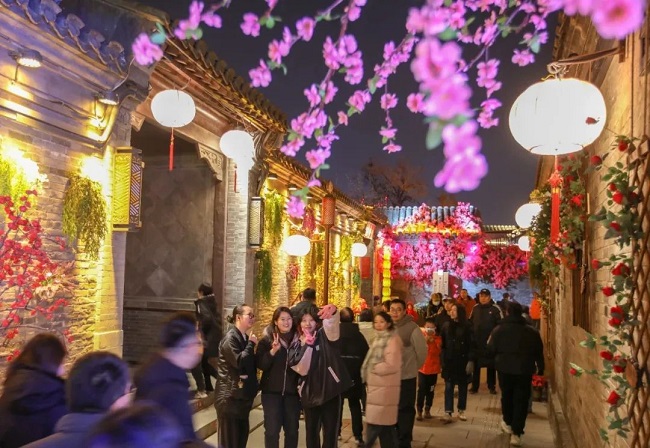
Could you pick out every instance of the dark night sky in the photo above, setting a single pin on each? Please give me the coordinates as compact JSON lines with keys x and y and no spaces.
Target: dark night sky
{"x":512,"y":170}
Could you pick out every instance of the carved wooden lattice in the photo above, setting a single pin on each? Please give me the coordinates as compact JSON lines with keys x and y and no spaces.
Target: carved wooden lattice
{"x":640,"y":399}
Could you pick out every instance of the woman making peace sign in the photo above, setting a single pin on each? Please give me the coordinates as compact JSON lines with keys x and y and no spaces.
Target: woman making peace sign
{"x":279,"y":383}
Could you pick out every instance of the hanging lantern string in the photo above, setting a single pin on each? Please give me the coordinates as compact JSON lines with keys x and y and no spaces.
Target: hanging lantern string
{"x":171,"y":151}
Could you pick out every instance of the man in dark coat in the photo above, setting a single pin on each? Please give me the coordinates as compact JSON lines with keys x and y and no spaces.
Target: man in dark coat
{"x":98,"y":383}
{"x":519,"y":353}
{"x":485,"y":317}
{"x":308,"y":299}
{"x":163,"y":380}
{"x":210,"y":326}
{"x":353,"y":351}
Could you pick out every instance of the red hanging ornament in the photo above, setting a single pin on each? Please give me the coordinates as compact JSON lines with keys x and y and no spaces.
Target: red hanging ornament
{"x":556,"y":188}
{"x":171,"y":151}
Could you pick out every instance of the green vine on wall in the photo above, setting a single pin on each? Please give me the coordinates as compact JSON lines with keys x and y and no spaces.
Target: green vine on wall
{"x":15,"y":178}
{"x":274,"y":216}
{"x":84,"y":214}
{"x":264,"y":280}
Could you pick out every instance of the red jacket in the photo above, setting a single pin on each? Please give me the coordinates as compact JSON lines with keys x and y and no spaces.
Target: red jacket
{"x":432,"y":363}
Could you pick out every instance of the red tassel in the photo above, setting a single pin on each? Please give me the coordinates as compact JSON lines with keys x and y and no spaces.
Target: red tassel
{"x":556,"y":187}
{"x":171,"y":152}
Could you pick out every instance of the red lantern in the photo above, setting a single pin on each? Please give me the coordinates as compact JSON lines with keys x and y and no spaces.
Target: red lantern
{"x":328,"y":211}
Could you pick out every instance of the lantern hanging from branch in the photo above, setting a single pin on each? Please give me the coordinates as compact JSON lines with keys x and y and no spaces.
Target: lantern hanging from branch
{"x":173,"y":109}
{"x":526,"y":213}
{"x":239,"y":146}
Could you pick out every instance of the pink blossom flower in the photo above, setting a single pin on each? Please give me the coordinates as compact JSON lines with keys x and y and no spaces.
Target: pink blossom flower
{"x":196,"y":8}
{"x":523,"y":57}
{"x":392,"y":147}
{"x":287,"y":37}
{"x":325,"y":141}
{"x":359,"y":99}
{"x":388,"y":133}
{"x":146,"y":52}
{"x":212,"y":19}
{"x":388,"y":101}
{"x":615,"y":19}
{"x":354,"y":12}
{"x":354,"y":66}
{"x":314,"y":183}
{"x":292,"y":147}
{"x":582,"y":7}
{"x":414,"y":102}
{"x":331,"y":54}
{"x":312,"y":95}
{"x":465,"y":166}
{"x":487,"y":71}
{"x":278,"y":49}
{"x":260,"y":76}
{"x":317,"y":157}
{"x":449,"y":98}
{"x":389,"y":50}
{"x":295,"y":207}
{"x":415,"y":21}
{"x":343,"y":118}
{"x":330,"y":92}
{"x":271,"y":3}
{"x":305,"y":28}
{"x":434,"y":60}
{"x":251,"y":25}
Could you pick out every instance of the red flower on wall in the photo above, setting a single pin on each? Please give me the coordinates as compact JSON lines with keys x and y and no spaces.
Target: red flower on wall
{"x":613,"y":398}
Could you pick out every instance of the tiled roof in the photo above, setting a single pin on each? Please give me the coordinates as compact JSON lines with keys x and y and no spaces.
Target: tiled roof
{"x":71,"y":29}
{"x":499,"y":228}
{"x":396,"y":215}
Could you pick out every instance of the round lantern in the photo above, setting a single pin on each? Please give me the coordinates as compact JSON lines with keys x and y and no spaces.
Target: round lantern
{"x":558,"y":116}
{"x":359,"y":250}
{"x":296,"y":245}
{"x":524,"y":243}
{"x":173,"y":108}
{"x":328,"y":211}
{"x":238,"y":146}
{"x":526,"y":213}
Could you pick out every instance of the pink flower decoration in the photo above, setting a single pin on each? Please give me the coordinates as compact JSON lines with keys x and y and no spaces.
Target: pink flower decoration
{"x":251,"y":25}
{"x":212,"y":19}
{"x":414,"y":102}
{"x":312,"y":95}
{"x":615,"y":19}
{"x":305,"y":28}
{"x":295,"y":207}
{"x":330,"y":92}
{"x":146,"y":52}
{"x":388,"y":101}
{"x":292,"y":147}
{"x":271,"y":3}
{"x":317,"y":157}
{"x":343,"y":118}
{"x":392,"y":147}
{"x":359,"y":99}
{"x":314,"y":183}
{"x":260,"y":76}
{"x":388,"y":133}
{"x":582,"y":7}
{"x":523,"y":58}
{"x":465,"y":166}
{"x":277,"y":50}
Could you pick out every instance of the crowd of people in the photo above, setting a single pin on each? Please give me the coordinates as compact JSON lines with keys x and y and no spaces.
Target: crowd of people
{"x":311,"y":360}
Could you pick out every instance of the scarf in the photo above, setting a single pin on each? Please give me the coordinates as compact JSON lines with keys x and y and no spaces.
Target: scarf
{"x":376,"y":353}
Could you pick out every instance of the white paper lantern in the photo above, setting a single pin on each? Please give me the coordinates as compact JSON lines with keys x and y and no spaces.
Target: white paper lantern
{"x":239,"y":146}
{"x":296,"y":245}
{"x":173,"y":108}
{"x":524,"y":243}
{"x":526,"y":213}
{"x":359,"y":250}
{"x":558,"y":116}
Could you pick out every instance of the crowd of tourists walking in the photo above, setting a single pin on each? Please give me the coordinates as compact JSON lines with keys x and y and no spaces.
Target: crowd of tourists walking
{"x":311,"y":360}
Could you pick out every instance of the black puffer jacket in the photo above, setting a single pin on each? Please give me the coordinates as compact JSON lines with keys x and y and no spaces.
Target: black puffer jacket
{"x":166,"y":384}
{"x":517,"y":347}
{"x":458,"y":348}
{"x":210,"y":324}
{"x":236,"y":361}
{"x":32,"y":402}
{"x":277,"y":376}
{"x":353,"y":349}
{"x":484,"y":319}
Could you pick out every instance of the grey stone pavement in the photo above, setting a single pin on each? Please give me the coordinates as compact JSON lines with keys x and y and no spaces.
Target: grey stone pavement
{"x":481,"y":430}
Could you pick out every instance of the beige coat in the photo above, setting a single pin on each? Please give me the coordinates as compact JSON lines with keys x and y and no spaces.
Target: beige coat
{"x":383,"y":384}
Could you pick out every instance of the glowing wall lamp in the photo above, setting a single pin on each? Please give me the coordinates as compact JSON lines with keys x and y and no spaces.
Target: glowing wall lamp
{"x":524,"y":243}
{"x":256,"y":222}
{"x":359,"y":250}
{"x":127,"y":188}
{"x":27,"y":58}
{"x":296,"y":245}
{"x":173,"y":109}
{"x":526,"y":213}
{"x":239,"y":146}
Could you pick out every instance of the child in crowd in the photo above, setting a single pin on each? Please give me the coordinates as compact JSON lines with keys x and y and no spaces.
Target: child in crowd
{"x":428,"y":374}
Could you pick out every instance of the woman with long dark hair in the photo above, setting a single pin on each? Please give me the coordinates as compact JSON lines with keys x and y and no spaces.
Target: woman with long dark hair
{"x":458,"y":353}
{"x":210,"y":325}
{"x":279,"y":383}
{"x":237,"y":383}
{"x":324,"y":377}
{"x":33,"y":399}
{"x":381,"y":372}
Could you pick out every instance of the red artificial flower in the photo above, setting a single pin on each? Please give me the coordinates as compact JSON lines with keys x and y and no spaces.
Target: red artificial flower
{"x":615,"y":322}
{"x":618,"y":197}
{"x":612,"y":186}
{"x":606,"y":354}
{"x":573,"y":371}
{"x":613,"y":398}
{"x":621,"y":269}
{"x":577,"y":200}
{"x":616,"y":310}
{"x":591,"y":120}
{"x":596,"y":160}
{"x":633,"y":197}
{"x":623,"y":145}
{"x":608,"y":290}
{"x":615,"y":226}
{"x":618,"y":369}
{"x":595,"y":264}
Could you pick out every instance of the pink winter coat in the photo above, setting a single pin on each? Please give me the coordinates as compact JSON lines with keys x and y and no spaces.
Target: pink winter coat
{"x":383,"y":385}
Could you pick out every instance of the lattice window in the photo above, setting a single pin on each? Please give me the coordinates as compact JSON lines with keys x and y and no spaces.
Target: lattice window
{"x":640,"y":400}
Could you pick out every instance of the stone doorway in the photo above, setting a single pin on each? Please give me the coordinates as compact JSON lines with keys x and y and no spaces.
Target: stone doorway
{"x":174,"y":251}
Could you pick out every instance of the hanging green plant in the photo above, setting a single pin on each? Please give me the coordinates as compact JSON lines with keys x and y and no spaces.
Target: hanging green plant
{"x":84,"y":214}
{"x":264,"y":278}
{"x":274,"y":216}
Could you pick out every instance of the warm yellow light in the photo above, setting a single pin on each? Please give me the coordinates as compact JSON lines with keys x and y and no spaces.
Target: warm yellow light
{"x":524,"y":243}
{"x":26,"y":166}
{"x":296,"y":245}
{"x":359,"y":250}
{"x":558,"y":116}
{"x":526,"y":213}
{"x":93,"y":169}
{"x":17,"y":90}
